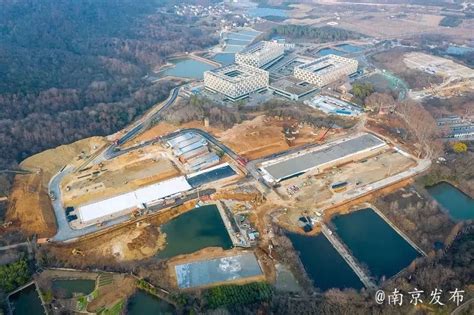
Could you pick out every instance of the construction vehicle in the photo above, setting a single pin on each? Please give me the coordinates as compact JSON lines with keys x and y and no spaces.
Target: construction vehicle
{"x":242,"y":161}
{"x":77,"y":252}
{"x":326,"y":132}
{"x":52,"y":196}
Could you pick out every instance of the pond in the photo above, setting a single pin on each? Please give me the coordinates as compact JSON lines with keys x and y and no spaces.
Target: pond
{"x":459,"y":205}
{"x":67,"y":287}
{"x":233,"y":48}
{"x":330,"y":51}
{"x":27,"y":302}
{"x":263,"y":12}
{"x":374,"y":243}
{"x":350,"y":48}
{"x":142,"y":303}
{"x":458,"y":50}
{"x":224,"y":59}
{"x":187,"y":68}
{"x":323,"y":263}
{"x":194,"y":230}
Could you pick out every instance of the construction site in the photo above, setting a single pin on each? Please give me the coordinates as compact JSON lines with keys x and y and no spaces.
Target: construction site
{"x":204,"y":201}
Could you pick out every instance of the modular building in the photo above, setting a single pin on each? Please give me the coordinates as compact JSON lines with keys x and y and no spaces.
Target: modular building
{"x":193,"y":153}
{"x":185,"y":143}
{"x":174,"y":141}
{"x":202,"y":162}
{"x":322,"y":157}
{"x":201,"y":143}
{"x":261,"y":54}
{"x":236,"y":81}
{"x":326,"y":70}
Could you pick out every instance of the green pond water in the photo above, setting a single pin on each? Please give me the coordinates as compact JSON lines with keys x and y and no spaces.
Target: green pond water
{"x":459,"y":205}
{"x":374,"y":243}
{"x":142,"y":303}
{"x":26,"y":302}
{"x":71,"y":286}
{"x":194,"y":230}
{"x":323,"y":263}
{"x":187,"y":68}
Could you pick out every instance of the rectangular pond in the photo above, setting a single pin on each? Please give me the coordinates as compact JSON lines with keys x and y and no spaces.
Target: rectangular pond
{"x":323,"y":263}
{"x":194,"y":230}
{"x":201,"y":273}
{"x":458,"y":205}
{"x":374,"y":243}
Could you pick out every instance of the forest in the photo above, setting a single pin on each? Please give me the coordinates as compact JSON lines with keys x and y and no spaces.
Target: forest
{"x":78,"y":72}
{"x":319,"y":34}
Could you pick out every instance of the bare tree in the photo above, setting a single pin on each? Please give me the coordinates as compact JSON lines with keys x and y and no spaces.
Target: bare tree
{"x":423,"y":126}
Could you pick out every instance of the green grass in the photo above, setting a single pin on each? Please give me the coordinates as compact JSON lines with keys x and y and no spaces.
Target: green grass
{"x":114,"y":310}
{"x":227,"y":295}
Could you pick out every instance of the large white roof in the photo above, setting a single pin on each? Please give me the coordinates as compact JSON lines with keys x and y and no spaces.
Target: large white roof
{"x":134,"y":199}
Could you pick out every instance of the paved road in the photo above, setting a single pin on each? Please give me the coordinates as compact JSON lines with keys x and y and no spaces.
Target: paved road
{"x":142,"y":124}
{"x":7,"y":247}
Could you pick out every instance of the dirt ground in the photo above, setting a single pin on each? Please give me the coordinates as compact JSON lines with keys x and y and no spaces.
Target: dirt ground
{"x":51,"y":161}
{"x":30,"y":207}
{"x":313,"y":190}
{"x":124,"y":173}
{"x":378,"y":20}
{"x":263,"y":136}
{"x":164,"y":128}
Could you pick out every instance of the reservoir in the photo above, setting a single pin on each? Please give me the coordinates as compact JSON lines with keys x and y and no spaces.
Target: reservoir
{"x":374,"y":243}
{"x":26,"y":302}
{"x":69,"y":287}
{"x":349,"y":48}
{"x":224,"y":59}
{"x":142,"y":303}
{"x":323,"y":263}
{"x":194,"y":230}
{"x":187,"y":68}
{"x":330,"y":51}
{"x":459,"y":205}
{"x":263,"y":12}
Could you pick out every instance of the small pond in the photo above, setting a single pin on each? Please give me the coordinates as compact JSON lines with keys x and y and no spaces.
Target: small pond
{"x":459,"y":205}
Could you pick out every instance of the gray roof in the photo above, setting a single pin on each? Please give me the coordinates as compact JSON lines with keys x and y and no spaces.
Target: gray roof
{"x":310,"y":160}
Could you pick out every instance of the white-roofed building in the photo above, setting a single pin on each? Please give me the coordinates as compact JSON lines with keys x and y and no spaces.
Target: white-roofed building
{"x":126,"y":203}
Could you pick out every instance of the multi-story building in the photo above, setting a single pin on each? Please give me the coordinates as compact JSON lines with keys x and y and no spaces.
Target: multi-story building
{"x":326,"y":70}
{"x":260,"y":54}
{"x":236,"y":81}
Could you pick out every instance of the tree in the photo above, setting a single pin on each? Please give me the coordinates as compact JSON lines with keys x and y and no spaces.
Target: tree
{"x":14,"y":275}
{"x":423,"y":126}
{"x":459,"y":147}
